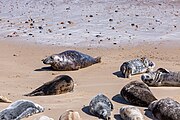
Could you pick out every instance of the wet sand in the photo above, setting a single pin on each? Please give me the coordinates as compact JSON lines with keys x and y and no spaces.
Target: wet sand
{"x":22,"y":71}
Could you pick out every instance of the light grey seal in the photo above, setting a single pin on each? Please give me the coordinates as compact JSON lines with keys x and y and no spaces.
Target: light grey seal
{"x":137,"y":93}
{"x":165,"y":109}
{"x":59,"y":85}
{"x":20,"y":109}
{"x":161,"y":77}
{"x":70,"y":60}
{"x":70,"y":115}
{"x":136,"y":66}
{"x":130,"y":113}
{"x":101,"y":107}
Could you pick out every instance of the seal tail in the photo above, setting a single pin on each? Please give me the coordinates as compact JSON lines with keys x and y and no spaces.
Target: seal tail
{"x":37,"y":92}
{"x":97,"y":59}
{"x":4,"y":99}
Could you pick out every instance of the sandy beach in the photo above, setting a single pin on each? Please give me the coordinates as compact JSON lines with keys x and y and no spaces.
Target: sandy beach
{"x":21,"y":72}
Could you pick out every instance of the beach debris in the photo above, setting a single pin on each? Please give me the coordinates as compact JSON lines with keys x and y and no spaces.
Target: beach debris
{"x":4,"y":99}
{"x":20,"y":109}
{"x":136,"y":66}
{"x":70,"y":60}
{"x":101,"y":106}
{"x":130,"y":113}
{"x":165,"y":109}
{"x":137,"y":93}
{"x":161,"y":77}
{"x":70,"y":115}
{"x":59,"y":85}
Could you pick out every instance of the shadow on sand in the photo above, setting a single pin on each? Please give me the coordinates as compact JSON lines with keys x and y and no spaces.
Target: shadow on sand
{"x":149,"y":114}
{"x":45,"y":69}
{"x":117,"y":117}
{"x":86,"y":110}
{"x":119,"y":99}
{"x":118,"y":74}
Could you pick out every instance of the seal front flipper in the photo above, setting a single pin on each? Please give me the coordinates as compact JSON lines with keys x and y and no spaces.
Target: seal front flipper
{"x":97,"y":59}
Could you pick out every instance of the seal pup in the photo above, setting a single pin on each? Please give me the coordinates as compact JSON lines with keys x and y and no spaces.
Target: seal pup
{"x":136,"y":66}
{"x":20,"y":109}
{"x":161,"y":77}
{"x":70,"y":115}
{"x":130,"y":113}
{"x":137,"y":93}
{"x":70,"y":60}
{"x":59,"y":85}
{"x":101,"y":106}
{"x":165,"y":109}
{"x":4,"y":99}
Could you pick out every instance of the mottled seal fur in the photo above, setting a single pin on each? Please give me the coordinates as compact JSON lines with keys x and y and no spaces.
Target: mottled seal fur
{"x":70,"y":115}
{"x":70,"y":60}
{"x":162,"y":77}
{"x":136,"y":66}
{"x":5,"y":100}
{"x":137,"y":93}
{"x":20,"y":109}
{"x":165,"y":109}
{"x":101,"y":107}
{"x":130,"y":113}
{"x":59,"y":85}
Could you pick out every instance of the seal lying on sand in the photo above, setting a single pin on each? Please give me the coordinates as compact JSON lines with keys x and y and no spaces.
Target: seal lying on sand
{"x":165,"y":109}
{"x":136,"y":66}
{"x":59,"y":85}
{"x":101,"y":107}
{"x":130,"y":113}
{"x":137,"y":93}
{"x":20,"y":109}
{"x":70,"y":60}
{"x":4,"y":99}
{"x":70,"y":115}
{"x":162,"y":77}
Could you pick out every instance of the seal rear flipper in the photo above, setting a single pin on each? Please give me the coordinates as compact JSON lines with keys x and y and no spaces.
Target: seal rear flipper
{"x":38,"y":92}
{"x":97,"y":59}
{"x":4,"y":99}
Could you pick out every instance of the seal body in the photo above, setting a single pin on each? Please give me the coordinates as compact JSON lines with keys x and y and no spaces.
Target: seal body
{"x":70,"y":60}
{"x":136,"y":66}
{"x":161,"y":77}
{"x":20,"y":109}
{"x":137,"y":93}
{"x":70,"y":115}
{"x":165,"y":109}
{"x":101,"y":106}
{"x":130,"y":113}
{"x":59,"y":85}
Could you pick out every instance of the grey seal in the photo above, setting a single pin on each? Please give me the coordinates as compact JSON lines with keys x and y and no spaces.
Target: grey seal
{"x":162,"y":77}
{"x":165,"y":109}
{"x":59,"y":85}
{"x":137,"y":93}
{"x":131,"y":113}
{"x":136,"y":66}
{"x":20,"y":109}
{"x":101,"y":106}
{"x":70,"y":60}
{"x":70,"y":115}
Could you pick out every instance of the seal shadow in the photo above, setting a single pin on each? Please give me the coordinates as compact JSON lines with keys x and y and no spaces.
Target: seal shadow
{"x":45,"y":69}
{"x":149,"y":114}
{"x":117,"y":117}
{"x":86,"y":110}
{"x":119,"y":74}
{"x":119,"y":99}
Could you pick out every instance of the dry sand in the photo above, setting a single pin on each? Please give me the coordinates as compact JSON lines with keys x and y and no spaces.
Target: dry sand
{"x":21,"y":73}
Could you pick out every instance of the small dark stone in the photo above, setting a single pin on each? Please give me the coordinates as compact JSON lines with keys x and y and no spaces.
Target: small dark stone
{"x":70,"y":34}
{"x":90,"y":15}
{"x":132,"y":24}
{"x":113,"y":28}
{"x":30,"y":34}
{"x":26,"y":21}
{"x":62,"y":23}
{"x":98,"y":36}
{"x":40,"y":27}
{"x":110,"y":20}
{"x":31,"y":24}
{"x":114,"y":43}
{"x":116,"y":11}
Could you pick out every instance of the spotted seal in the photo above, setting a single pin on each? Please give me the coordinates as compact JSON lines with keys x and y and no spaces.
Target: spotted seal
{"x":130,"y":113}
{"x":70,"y":115}
{"x":4,"y":99}
{"x":70,"y":60}
{"x":59,"y":85}
{"x":20,"y":109}
{"x":101,"y":106}
{"x":165,"y":109}
{"x":136,"y":66}
{"x":161,"y":77}
{"x":137,"y":93}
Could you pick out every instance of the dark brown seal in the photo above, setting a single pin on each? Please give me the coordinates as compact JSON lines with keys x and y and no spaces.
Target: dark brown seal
{"x":70,"y":60}
{"x":59,"y":85}
{"x":165,"y":109}
{"x":137,"y":93}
